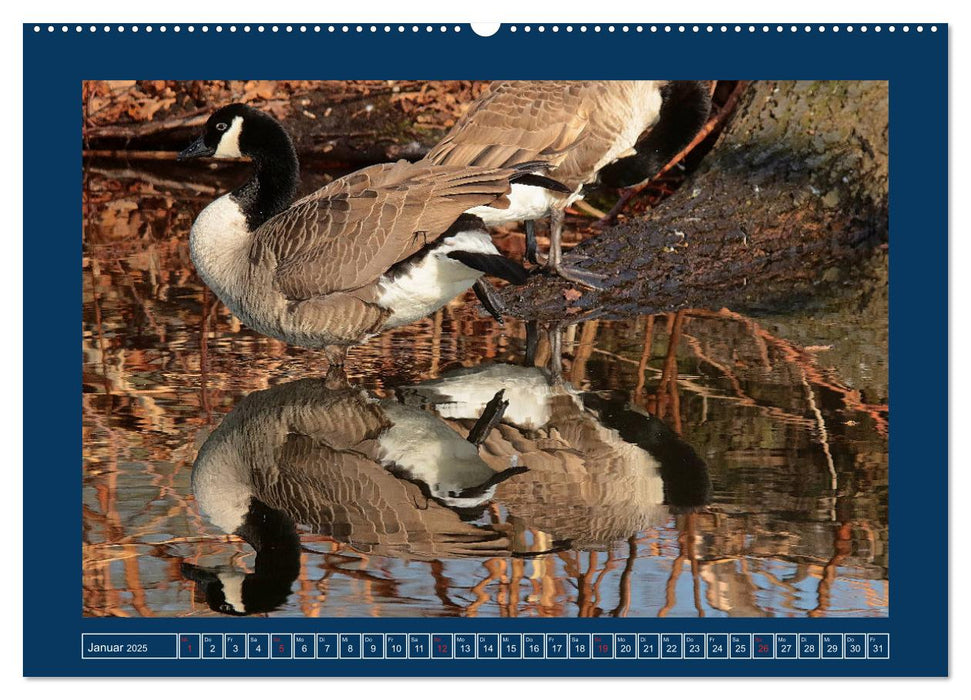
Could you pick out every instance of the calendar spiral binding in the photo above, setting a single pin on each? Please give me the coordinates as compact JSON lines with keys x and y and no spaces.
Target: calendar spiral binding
{"x":424,"y":29}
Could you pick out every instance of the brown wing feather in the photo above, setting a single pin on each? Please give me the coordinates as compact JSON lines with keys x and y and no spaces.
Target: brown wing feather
{"x":325,"y":476}
{"x":516,"y":122}
{"x":572,"y":125}
{"x":349,"y":496}
{"x":352,"y":231}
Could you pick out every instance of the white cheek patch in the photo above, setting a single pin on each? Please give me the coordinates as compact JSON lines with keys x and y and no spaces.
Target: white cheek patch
{"x":233,"y":590}
{"x":228,"y":146}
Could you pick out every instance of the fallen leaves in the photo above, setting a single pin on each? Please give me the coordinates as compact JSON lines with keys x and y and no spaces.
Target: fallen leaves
{"x":114,"y":108}
{"x":115,"y":102}
{"x":438,"y":103}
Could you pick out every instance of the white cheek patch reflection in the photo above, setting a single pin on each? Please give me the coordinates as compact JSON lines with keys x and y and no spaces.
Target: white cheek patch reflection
{"x":228,"y":146}
{"x":233,"y":589}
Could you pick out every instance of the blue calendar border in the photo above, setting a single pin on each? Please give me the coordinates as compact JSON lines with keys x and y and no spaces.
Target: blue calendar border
{"x":915,"y":63}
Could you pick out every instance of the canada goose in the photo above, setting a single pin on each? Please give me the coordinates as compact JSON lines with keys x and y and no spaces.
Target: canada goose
{"x":379,"y":248}
{"x":623,"y":131}
{"x":600,"y":470}
{"x":384,"y":478}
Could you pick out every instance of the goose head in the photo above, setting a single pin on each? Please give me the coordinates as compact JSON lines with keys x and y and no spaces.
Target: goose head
{"x":685,"y":107}
{"x":221,"y":590}
{"x":234,"y":592}
{"x":240,"y":131}
{"x":237,"y":131}
{"x":231,"y":591}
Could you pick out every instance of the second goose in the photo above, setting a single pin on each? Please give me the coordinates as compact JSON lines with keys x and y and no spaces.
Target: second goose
{"x":379,"y":248}
{"x":620,"y":131}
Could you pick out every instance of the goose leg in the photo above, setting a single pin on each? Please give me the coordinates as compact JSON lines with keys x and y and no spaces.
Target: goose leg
{"x":490,"y":300}
{"x":555,"y":334}
{"x":532,"y":342}
{"x":555,"y":259}
{"x":336,"y":375}
{"x":532,"y":252}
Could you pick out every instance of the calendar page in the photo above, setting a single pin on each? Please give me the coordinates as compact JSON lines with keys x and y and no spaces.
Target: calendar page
{"x":431,"y":361}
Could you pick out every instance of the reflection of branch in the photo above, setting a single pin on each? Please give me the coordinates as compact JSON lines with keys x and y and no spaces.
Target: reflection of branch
{"x":586,"y":594}
{"x":149,"y":314}
{"x":645,"y":358}
{"x":740,"y":394}
{"x":609,"y":566}
{"x":670,"y":596}
{"x":805,"y":361}
{"x":515,"y":576}
{"x":667,"y":394}
{"x":95,"y":281}
{"x":843,"y":543}
{"x":669,"y":380}
{"x":789,"y":591}
{"x":823,"y":436}
{"x":494,"y":568}
{"x":689,"y":543}
{"x":686,"y":544}
{"x":623,"y":597}
{"x":582,"y":351}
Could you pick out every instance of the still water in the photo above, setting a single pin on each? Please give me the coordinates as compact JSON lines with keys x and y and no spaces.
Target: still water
{"x":689,"y":464}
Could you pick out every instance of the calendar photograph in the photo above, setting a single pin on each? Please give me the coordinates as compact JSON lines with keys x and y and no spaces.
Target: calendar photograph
{"x":422,"y":348}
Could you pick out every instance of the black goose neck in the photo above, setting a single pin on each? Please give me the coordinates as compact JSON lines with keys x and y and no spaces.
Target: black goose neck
{"x":276,"y":175}
{"x":273,"y":534}
{"x":685,"y":106}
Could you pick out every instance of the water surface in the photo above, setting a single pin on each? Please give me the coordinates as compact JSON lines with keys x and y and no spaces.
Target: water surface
{"x":782,"y":511}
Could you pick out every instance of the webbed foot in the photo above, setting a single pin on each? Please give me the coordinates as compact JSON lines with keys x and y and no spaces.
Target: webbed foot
{"x":586,"y":278}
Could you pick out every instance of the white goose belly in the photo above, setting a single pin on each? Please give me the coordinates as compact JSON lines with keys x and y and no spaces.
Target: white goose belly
{"x":430,"y":283}
{"x":526,"y":203}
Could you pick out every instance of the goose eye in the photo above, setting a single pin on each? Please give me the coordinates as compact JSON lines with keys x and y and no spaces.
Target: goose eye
{"x":222,"y":126}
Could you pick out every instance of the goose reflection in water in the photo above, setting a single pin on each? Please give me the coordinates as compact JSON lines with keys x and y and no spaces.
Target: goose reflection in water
{"x":411,"y":477}
{"x":384,"y":478}
{"x":600,"y":469}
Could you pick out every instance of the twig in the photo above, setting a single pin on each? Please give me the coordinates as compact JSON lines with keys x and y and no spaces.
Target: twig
{"x":195,"y":118}
{"x":121,"y":154}
{"x":162,"y":182}
{"x":588,"y":209}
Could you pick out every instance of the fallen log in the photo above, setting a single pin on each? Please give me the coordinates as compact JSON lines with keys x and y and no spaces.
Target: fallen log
{"x":785,"y":207}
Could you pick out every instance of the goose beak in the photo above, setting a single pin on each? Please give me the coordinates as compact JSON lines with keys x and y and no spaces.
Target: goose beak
{"x":197,"y":149}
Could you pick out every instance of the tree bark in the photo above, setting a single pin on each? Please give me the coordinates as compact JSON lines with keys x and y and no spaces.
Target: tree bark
{"x":785,"y":207}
